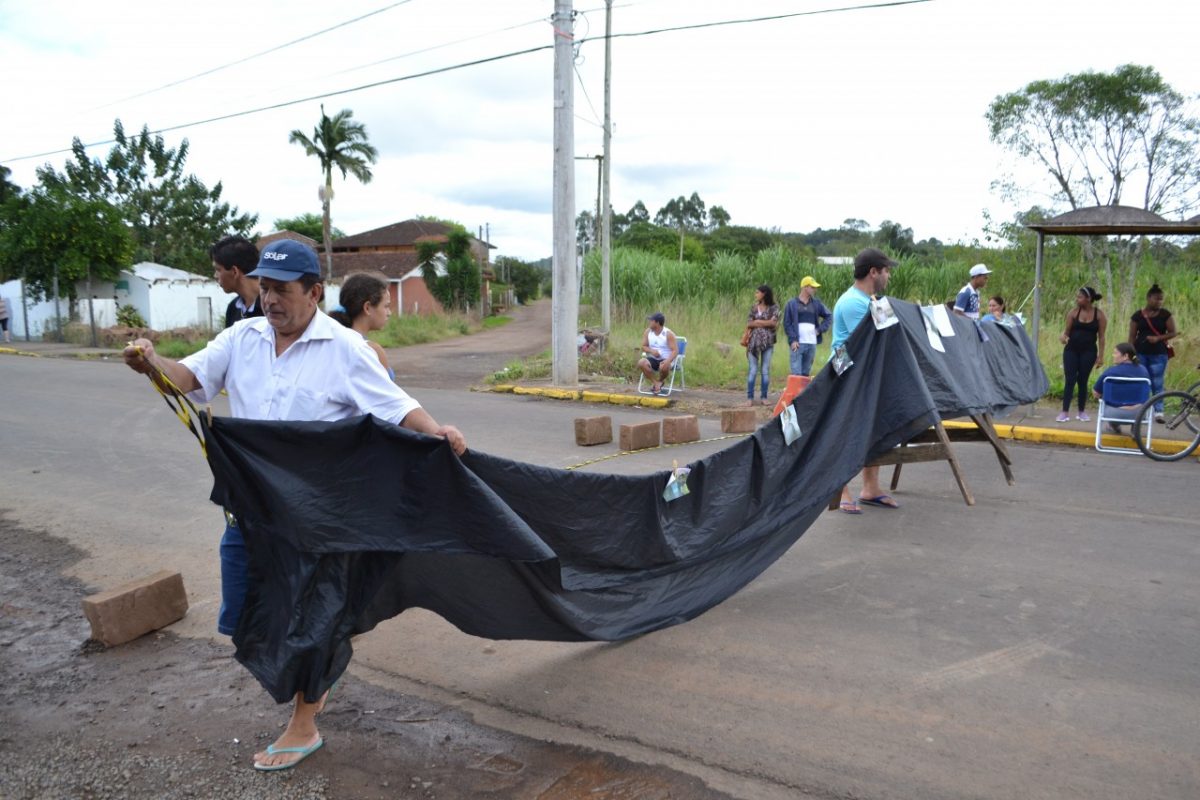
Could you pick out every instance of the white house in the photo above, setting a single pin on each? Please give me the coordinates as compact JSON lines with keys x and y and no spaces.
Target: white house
{"x":166,"y":298}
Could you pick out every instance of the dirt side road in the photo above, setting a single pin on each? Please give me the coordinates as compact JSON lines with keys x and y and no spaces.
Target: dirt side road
{"x":465,"y":361}
{"x":169,"y":717}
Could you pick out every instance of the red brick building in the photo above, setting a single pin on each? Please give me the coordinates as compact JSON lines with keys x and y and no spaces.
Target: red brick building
{"x":392,"y":251}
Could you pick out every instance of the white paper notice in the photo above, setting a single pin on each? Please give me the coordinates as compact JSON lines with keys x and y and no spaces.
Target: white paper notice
{"x":941,"y":319}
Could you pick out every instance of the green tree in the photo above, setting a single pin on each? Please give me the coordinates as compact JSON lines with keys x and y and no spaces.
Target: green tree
{"x":311,"y":225}
{"x":741,"y":239}
{"x":338,"y":141}
{"x":459,"y":287}
{"x":637,"y":213}
{"x":524,"y":277}
{"x":1124,"y":137}
{"x":895,"y":237}
{"x":684,"y":214}
{"x":8,"y":189}
{"x":172,"y":216}
{"x":57,"y":235}
{"x":718,"y":217}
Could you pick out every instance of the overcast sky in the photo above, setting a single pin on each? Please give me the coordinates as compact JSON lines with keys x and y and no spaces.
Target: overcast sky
{"x":794,"y":124}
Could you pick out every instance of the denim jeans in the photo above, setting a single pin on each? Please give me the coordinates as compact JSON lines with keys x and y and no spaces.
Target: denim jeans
{"x":233,"y":579}
{"x":1156,"y":365}
{"x":801,"y":359}
{"x":755,"y":369}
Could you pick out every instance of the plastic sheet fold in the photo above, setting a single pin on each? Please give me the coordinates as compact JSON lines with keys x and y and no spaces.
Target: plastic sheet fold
{"x":350,"y":523}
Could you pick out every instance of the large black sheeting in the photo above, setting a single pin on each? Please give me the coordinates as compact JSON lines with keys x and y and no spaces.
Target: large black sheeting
{"x":350,"y":523}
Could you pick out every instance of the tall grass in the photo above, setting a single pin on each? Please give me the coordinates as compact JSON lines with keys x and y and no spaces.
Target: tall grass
{"x":708,"y":303}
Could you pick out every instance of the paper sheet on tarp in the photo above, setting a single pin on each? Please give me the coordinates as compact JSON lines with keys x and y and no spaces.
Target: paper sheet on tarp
{"x":350,"y":523}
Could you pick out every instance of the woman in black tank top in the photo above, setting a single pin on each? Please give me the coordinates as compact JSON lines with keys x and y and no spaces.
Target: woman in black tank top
{"x":1084,"y":342}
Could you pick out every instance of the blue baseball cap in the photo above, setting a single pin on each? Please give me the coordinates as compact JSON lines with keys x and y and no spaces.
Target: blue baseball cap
{"x":286,"y":260}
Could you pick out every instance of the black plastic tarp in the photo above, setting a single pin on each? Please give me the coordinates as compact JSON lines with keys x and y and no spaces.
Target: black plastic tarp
{"x":350,"y":523}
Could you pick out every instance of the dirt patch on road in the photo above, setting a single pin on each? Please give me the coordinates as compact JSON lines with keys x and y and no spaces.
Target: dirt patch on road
{"x":166,"y":717}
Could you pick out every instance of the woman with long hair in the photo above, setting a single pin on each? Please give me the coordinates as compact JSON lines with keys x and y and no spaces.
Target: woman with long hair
{"x":364,"y":306}
{"x":1149,"y":331}
{"x":1083,"y":344}
{"x":761,"y":324}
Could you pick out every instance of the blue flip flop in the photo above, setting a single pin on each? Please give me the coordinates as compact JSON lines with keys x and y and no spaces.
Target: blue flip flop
{"x":880,"y":501}
{"x":304,"y":752}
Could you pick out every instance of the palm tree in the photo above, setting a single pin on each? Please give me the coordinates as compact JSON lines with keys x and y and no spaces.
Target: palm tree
{"x":337,"y":141}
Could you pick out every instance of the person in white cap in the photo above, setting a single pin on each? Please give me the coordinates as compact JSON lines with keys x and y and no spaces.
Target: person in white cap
{"x":967,"y":302}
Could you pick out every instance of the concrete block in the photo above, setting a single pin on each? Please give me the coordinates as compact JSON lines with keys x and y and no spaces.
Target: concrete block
{"x":677,"y":430}
{"x":738,"y":420}
{"x":641,"y":435}
{"x":593,"y":430}
{"x":123,"y":614}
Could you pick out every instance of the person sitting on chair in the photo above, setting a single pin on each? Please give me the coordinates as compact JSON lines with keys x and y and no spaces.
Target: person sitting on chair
{"x":1125,"y":365}
{"x":659,"y":349}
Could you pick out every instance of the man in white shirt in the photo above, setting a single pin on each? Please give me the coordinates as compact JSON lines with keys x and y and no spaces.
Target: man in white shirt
{"x":967,"y":302}
{"x":659,"y":347}
{"x":293,"y":364}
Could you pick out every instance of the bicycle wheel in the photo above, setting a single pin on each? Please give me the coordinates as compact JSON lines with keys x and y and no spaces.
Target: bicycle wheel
{"x":1180,"y":426}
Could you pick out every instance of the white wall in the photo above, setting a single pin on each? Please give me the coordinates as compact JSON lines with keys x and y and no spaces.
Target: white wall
{"x":41,"y":315}
{"x":175,"y":304}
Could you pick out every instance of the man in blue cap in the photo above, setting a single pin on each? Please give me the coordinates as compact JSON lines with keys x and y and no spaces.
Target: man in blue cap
{"x":294,"y":363}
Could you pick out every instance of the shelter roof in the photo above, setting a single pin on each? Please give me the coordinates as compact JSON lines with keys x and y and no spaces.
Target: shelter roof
{"x":1114,"y":220}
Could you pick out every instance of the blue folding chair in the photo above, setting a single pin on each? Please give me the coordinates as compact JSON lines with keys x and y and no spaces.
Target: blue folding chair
{"x":676,"y":369}
{"x":1120,"y":399}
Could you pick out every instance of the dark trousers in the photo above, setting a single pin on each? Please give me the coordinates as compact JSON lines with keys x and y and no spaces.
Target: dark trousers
{"x":1077,"y":368}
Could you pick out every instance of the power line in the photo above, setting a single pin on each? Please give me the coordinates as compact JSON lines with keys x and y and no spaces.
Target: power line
{"x":268,"y":51}
{"x":475,"y":63}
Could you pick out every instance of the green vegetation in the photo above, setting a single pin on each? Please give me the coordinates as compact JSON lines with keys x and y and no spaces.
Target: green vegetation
{"x":172,"y":217}
{"x":495,"y":322}
{"x":708,"y":303}
{"x":402,"y":331}
{"x":339,"y":141}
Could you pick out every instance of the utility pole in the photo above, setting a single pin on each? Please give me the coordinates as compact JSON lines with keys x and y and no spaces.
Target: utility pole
{"x":606,"y":203}
{"x":565,"y":303}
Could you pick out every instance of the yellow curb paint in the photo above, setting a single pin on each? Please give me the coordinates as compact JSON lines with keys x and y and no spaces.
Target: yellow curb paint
{"x":526,"y":390}
{"x":1075,"y":438}
{"x":561,"y":394}
{"x":12,"y":351}
{"x":654,"y":402}
{"x":504,"y":388}
{"x":596,"y":397}
{"x":624,"y":400}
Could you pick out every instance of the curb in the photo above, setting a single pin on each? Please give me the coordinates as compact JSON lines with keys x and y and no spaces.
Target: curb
{"x":585,"y":395}
{"x":1073,"y":438}
{"x":12,"y":351}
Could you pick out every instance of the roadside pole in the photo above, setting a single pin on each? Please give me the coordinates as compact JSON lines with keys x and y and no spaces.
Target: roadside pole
{"x":565,"y":303}
{"x":606,"y":202}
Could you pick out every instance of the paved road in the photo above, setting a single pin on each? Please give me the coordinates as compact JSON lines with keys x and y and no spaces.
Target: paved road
{"x":1040,"y":645}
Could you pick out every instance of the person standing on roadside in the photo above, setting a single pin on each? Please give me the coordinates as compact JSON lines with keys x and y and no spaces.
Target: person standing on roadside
{"x":761,"y":323}
{"x":296,"y":364}
{"x":1083,"y":342}
{"x":4,"y":315}
{"x":805,"y":320}
{"x":872,"y":271}
{"x":364,"y":305}
{"x":233,"y":258}
{"x":966,"y":304}
{"x":1150,"y":330}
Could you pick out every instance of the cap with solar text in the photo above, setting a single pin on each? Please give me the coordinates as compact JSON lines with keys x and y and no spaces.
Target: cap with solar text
{"x":286,"y":260}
